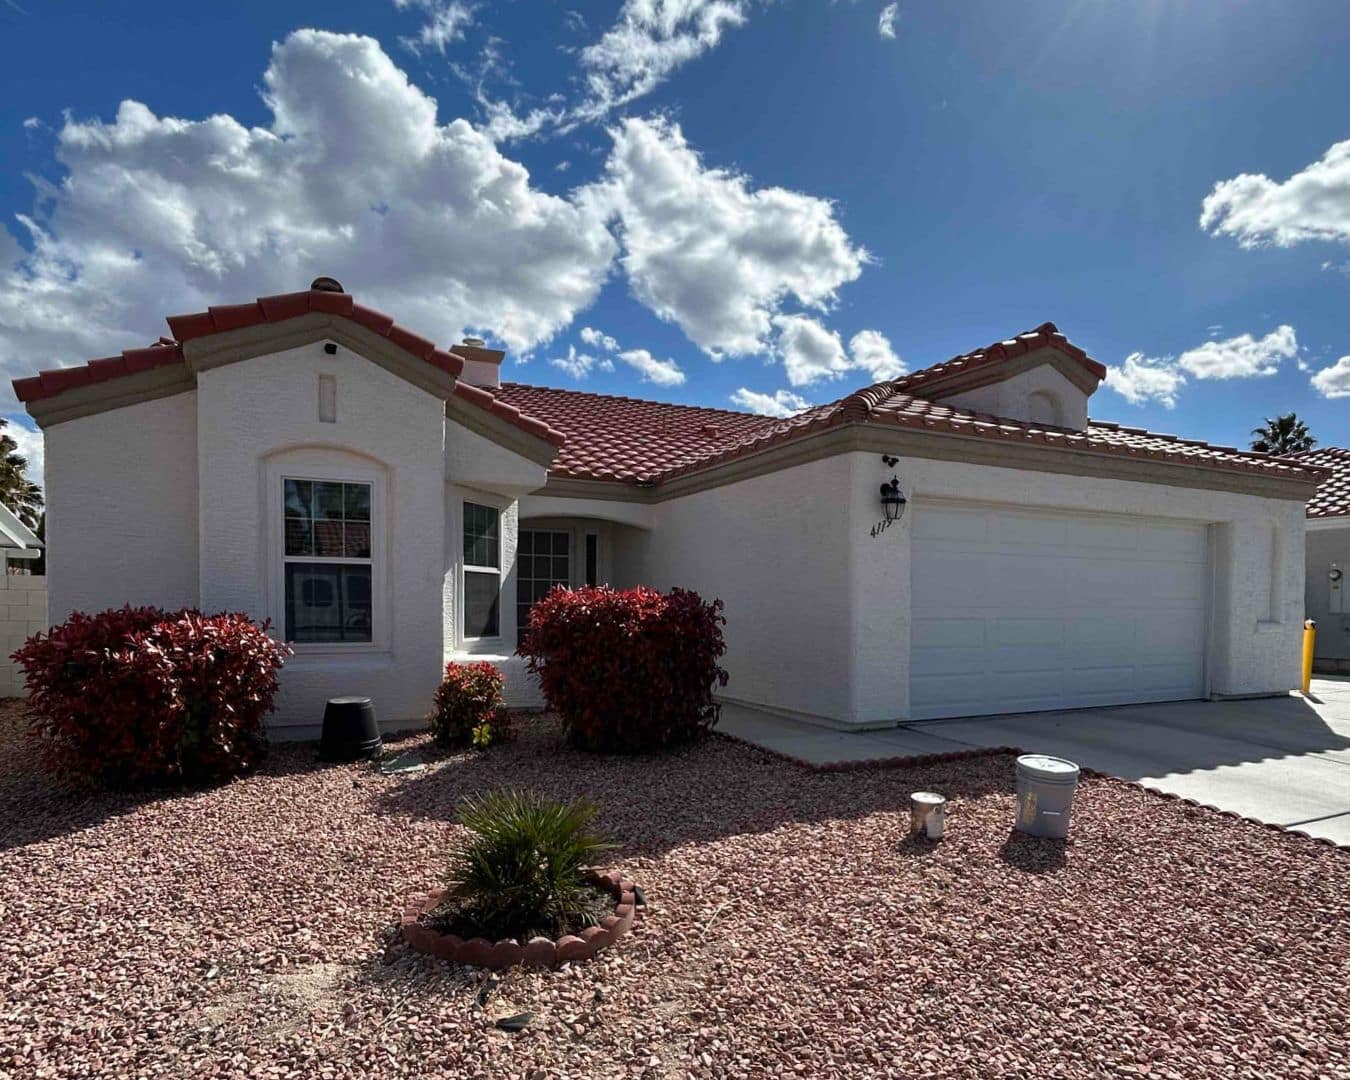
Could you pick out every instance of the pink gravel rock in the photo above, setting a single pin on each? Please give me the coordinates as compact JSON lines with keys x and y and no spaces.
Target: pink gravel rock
{"x":245,"y":931}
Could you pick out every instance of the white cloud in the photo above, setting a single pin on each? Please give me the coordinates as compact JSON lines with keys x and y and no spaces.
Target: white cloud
{"x":1313,"y":204}
{"x":1141,"y":379}
{"x":705,"y":250}
{"x":580,"y":365}
{"x":1240,"y":357}
{"x":446,"y":21}
{"x":591,"y":336}
{"x":810,"y":352}
{"x":886,"y":22}
{"x":503,"y":124}
{"x":648,"y":41}
{"x":781,"y":403}
{"x":872,"y":352}
{"x":652,"y":370}
{"x":354,"y":177}
{"x":30,"y":445}
{"x":1334,"y":381}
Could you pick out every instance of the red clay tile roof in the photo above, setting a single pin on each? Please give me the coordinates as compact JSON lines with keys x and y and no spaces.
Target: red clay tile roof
{"x":267,"y":309}
{"x":1333,"y":494}
{"x":630,"y":439}
{"x":642,"y":442}
{"x":613,"y":438}
{"x":1046,"y":335}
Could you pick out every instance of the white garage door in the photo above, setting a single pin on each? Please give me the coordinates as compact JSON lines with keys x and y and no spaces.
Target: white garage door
{"x":1016,"y":610}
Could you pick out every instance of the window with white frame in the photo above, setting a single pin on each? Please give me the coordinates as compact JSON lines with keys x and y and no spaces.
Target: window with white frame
{"x":482,"y":571}
{"x":543,"y":560}
{"x":327,"y":565}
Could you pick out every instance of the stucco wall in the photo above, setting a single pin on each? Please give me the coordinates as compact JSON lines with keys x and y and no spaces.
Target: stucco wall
{"x":259,"y":418}
{"x":775,"y":549}
{"x":121,"y":491}
{"x":23,"y":612}
{"x":1015,"y":397}
{"x":1257,"y":604}
{"x":1327,"y":546}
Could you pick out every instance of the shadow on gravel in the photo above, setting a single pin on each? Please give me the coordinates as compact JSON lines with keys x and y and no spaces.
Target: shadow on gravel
{"x":1034,"y":854}
{"x":715,"y":789}
{"x":37,"y":804}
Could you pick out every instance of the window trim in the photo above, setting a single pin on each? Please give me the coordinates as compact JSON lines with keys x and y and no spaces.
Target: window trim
{"x":323,"y":468}
{"x":466,"y":568}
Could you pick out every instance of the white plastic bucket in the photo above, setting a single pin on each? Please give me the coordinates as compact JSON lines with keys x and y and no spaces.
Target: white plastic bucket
{"x":1045,"y":787}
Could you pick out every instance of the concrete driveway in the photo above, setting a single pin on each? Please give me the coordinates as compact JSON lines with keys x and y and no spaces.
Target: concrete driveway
{"x":1283,"y":760}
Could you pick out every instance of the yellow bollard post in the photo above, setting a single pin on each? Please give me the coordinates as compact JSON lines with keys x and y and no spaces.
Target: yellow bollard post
{"x":1309,"y":641}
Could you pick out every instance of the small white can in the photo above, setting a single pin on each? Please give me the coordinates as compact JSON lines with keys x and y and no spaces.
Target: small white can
{"x":927,"y":814}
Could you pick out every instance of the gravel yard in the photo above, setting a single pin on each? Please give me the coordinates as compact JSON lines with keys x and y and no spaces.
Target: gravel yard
{"x":791,"y":930}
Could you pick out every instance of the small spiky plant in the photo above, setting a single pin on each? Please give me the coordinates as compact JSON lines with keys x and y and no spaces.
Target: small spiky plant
{"x":519,"y":871}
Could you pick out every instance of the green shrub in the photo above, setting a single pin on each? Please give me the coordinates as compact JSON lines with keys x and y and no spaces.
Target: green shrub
{"x":468,"y":708}
{"x":520,"y":871}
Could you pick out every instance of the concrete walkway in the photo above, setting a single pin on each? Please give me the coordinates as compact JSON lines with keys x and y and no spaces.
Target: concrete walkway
{"x":1282,"y":760}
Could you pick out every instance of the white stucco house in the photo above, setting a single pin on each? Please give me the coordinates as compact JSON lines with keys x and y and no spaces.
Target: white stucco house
{"x":1328,"y":559}
{"x":390,"y":505}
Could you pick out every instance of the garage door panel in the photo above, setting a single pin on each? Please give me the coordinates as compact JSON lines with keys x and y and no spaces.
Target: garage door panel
{"x":929,"y":692}
{"x":1101,"y":635}
{"x":948,"y":633}
{"x":1181,"y":542}
{"x":1032,"y":532}
{"x":1028,"y":633}
{"x":955,"y":661}
{"x":1086,"y":534}
{"x":1111,"y":681}
{"x":1167,"y":677}
{"x":1094,"y":583}
{"x":955,"y":525}
{"x":1023,"y":583}
{"x":1017,"y":610}
{"x":951,"y":582}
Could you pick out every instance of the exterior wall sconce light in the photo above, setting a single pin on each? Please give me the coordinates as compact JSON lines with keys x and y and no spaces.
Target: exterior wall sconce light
{"x":893,"y":501}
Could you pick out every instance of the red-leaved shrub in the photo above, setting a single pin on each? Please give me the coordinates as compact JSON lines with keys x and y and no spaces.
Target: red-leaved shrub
{"x":468,"y":709}
{"x":628,"y":670}
{"x":143,"y":696}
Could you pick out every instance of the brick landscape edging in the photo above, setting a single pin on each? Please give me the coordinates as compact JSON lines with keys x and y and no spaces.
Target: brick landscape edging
{"x":537,"y":952}
{"x":991,"y":751}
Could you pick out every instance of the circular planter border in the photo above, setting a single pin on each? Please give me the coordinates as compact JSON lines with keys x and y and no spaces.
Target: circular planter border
{"x":537,"y":952}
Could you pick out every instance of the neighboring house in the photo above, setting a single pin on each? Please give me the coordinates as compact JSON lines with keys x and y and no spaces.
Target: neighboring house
{"x":389,"y":506}
{"x":23,"y":596}
{"x":18,"y":543}
{"x":1328,"y":599}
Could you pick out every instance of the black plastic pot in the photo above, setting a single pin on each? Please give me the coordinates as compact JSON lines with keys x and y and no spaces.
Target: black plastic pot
{"x":350,"y":730}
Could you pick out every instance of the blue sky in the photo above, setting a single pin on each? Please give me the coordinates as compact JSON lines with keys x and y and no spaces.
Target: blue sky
{"x":710,"y":201}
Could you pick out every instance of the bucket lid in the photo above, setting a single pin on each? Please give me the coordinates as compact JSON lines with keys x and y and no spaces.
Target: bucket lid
{"x":1045,"y":767}
{"x":927,"y":798}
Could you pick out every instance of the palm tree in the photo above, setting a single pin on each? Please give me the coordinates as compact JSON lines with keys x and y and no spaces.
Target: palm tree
{"x":17,"y":492}
{"x":1285,"y":434}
